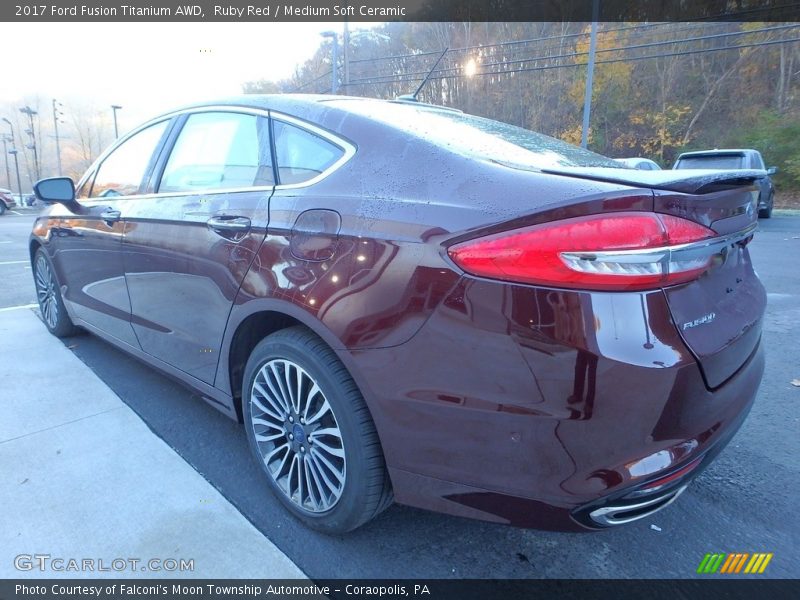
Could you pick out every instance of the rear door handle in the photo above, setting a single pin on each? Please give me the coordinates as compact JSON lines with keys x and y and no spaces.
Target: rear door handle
{"x":229,"y":223}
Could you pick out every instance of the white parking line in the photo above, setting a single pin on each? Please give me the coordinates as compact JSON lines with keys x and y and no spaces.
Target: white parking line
{"x":20,"y":307}
{"x":5,"y":241}
{"x":14,"y":262}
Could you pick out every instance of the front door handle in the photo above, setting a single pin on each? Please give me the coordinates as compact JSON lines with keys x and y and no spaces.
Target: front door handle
{"x":110,"y":216}
{"x":229,"y":223}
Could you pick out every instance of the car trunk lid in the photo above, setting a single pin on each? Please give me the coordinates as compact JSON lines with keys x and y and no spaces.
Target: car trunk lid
{"x":719,"y":314}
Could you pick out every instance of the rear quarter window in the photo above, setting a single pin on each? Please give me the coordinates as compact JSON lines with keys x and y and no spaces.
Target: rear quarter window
{"x":300,"y":154}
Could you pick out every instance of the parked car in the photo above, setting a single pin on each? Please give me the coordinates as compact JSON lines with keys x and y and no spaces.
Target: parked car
{"x":6,"y":201}
{"x":411,"y":303}
{"x":734,"y":159}
{"x":644,"y":164}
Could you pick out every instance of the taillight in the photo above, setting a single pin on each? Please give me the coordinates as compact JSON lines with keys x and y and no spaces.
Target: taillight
{"x":618,"y":251}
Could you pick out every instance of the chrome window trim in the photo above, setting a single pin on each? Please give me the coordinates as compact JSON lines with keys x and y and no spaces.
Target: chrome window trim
{"x":348,"y":148}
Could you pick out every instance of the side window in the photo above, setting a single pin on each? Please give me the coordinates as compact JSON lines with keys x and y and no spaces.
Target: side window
{"x":219,"y":150}
{"x":121,"y":173}
{"x":301,"y":155}
{"x":758,"y":161}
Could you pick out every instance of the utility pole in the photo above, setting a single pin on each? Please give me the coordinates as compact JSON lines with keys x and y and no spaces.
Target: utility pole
{"x":346,"y":51}
{"x":5,"y":154}
{"x":27,"y":110}
{"x":115,"y":108}
{"x":335,"y":59}
{"x":56,"y":114}
{"x":587,"y":100}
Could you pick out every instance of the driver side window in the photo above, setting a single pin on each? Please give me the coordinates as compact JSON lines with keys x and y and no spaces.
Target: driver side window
{"x":122,"y":172}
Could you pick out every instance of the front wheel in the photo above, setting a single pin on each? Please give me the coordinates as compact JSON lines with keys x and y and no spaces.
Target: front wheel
{"x":766,"y":213}
{"x":2,"y":208}
{"x":312,"y":434}
{"x":51,"y":305}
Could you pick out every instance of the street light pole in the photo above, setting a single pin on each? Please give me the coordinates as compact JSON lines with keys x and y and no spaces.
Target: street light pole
{"x":5,"y":154}
{"x":115,"y":108}
{"x":56,"y":114}
{"x":11,"y":129}
{"x":14,"y":153}
{"x":32,"y":132}
{"x":335,"y":40}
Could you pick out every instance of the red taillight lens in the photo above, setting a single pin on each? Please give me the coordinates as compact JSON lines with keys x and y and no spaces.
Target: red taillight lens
{"x":619,"y":251}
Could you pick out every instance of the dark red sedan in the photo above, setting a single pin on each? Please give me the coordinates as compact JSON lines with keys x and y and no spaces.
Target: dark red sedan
{"x":403,"y":302}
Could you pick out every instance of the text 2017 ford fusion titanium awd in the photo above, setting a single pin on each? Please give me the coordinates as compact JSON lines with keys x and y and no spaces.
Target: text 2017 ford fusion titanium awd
{"x":403,"y":302}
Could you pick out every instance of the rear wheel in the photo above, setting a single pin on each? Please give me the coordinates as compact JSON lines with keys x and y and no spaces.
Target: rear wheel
{"x":312,"y":434}
{"x":48,"y":294}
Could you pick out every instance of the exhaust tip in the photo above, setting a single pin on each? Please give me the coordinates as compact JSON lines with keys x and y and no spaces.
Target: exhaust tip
{"x":620,"y":514}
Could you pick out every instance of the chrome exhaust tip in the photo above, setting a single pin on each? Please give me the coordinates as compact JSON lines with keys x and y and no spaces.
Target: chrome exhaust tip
{"x":609,"y":516}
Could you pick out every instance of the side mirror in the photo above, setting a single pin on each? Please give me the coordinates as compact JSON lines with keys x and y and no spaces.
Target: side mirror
{"x":57,"y":189}
{"x":772,"y":170}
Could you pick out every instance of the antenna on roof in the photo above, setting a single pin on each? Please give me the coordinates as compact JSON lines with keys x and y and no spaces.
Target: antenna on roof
{"x":413,"y":97}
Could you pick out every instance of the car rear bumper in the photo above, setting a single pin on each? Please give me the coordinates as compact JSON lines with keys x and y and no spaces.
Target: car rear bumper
{"x":541,"y":408}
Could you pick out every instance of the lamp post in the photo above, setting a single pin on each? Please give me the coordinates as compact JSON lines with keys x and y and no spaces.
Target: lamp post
{"x":14,"y":153}
{"x":115,"y":108}
{"x":5,"y":154}
{"x":335,"y":62}
{"x":27,"y":110}
{"x":56,"y":114}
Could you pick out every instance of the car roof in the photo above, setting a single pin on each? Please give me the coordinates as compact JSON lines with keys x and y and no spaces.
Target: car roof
{"x":299,"y":104}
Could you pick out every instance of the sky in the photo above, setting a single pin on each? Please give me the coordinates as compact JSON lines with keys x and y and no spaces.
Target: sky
{"x":149,"y":68}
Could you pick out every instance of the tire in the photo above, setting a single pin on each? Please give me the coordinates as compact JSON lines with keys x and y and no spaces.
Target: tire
{"x":2,"y":208}
{"x":333,"y":481}
{"x":48,"y":294}
{"x":766,"y":213}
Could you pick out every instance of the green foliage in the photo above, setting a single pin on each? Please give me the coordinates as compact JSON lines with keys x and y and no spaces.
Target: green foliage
{"x":777,"y":137}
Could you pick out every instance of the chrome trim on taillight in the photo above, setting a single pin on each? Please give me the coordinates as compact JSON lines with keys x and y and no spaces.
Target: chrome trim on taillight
{"x":654,"y":261}
{"x":609,"y":516}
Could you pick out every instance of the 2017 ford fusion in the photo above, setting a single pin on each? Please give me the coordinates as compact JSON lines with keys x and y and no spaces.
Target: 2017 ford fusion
{"x":403,"y":302}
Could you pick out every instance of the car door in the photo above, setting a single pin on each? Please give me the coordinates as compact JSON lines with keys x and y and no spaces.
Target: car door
{"x":88,"y":255}
{"x":188,"y":245}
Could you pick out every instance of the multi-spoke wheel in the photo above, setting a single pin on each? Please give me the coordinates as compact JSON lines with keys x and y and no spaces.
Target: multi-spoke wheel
{"x":311,"y":432}
{"x":49,"y":296}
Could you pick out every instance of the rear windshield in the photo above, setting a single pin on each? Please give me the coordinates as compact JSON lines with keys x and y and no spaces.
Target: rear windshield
{"x":725,"y":161}
{"x":477,"y":137}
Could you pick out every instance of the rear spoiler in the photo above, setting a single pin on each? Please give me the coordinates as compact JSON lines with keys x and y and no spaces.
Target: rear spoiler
{"x":685,"y":181}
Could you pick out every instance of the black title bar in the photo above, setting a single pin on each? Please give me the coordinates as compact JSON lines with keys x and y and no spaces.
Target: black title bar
{"x":399,"y":10}
{"x":732,"y":588}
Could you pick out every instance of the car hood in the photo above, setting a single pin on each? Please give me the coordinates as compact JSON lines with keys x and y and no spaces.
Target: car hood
{"x":686,"y":181}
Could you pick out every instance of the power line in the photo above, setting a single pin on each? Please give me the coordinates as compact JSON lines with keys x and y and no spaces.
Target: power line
{"x":602,"y":50}
{"x":404,"y":78}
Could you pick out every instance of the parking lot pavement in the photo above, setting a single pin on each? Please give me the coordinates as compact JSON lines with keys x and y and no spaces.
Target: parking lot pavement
{"x":85,"y":479}
{"x":745,"y":502}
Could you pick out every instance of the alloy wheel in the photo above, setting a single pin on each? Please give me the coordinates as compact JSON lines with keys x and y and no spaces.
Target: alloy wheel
{"x":297,"y":436}
{"x":46,"y":292}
